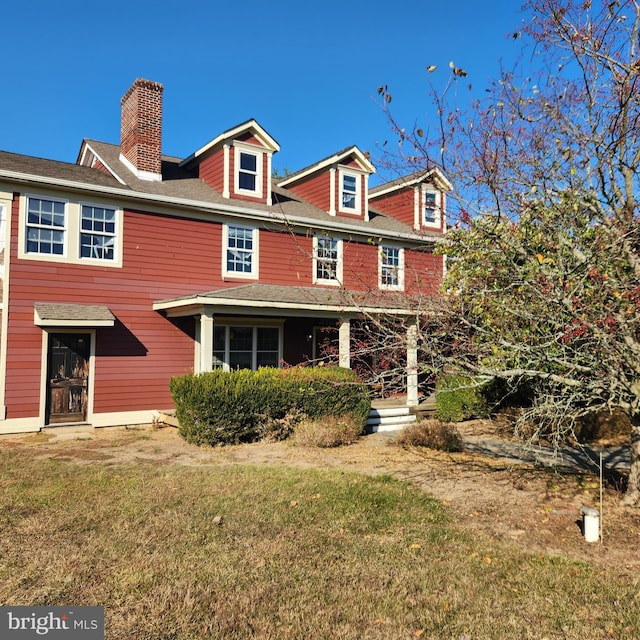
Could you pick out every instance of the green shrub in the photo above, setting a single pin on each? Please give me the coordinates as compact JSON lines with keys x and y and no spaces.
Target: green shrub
{"x":220,"y":407}
{"x":460,"y":398}
{"x":432,"y":434}
{"x":329,"y":431}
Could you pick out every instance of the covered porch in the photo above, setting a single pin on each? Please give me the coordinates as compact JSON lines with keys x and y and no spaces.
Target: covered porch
{"x":256,"y":325}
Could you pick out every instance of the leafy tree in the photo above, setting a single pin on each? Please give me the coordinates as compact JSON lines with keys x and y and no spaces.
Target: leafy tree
{"x":544,"y":269}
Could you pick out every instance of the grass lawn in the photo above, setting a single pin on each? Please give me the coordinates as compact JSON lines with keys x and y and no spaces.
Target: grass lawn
{"x":224,"y":551}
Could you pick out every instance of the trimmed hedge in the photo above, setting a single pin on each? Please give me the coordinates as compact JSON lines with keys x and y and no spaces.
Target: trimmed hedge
{"x":221,"y":407}
{"x":460,"y":398}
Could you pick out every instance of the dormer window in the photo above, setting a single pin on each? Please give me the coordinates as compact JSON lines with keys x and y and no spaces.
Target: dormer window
{"x":431,"y":208}
{"x":350,"y":192}
{"x":248,"y":172}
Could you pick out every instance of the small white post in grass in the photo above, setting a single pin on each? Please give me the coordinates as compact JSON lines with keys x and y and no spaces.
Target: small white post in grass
{"x":601,"y":497}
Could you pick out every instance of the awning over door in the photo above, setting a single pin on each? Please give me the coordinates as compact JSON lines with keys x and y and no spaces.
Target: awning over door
{"x":53,"y":314}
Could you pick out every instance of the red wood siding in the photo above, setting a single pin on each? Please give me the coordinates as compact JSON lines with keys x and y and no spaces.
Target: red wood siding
{"x":423,"y":272}
{"x":211,"y":170}
{"x":398,"y":204}
{"x":316,"y":190}
{"x":286,"y":259}
{"x":164,"y":257}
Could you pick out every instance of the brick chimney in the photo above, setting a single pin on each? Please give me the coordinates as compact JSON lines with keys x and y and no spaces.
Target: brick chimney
{"x":141,"y":129}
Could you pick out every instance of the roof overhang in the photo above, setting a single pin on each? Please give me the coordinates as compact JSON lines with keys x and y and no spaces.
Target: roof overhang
{"x":339,"y":158}
{"x":433,"y":176}
{"x":251,"y":126}
{"x":53,"y":314}
{"x":270,"y":300}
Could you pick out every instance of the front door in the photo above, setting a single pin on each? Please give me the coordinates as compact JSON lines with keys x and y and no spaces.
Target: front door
{"x":67,"y":376}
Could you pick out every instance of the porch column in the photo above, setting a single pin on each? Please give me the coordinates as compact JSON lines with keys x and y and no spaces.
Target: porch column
{"x":412,"y":363}
{"x":206,"y":339}
{"x":344,"y":343}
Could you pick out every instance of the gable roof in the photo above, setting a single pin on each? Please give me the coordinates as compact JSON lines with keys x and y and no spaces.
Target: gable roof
{"x":329,"y":161}
{"x":250,"y":126}
{"x":434,"y":176}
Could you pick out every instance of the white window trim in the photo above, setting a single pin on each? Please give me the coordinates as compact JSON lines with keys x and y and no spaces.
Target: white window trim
{"x":253,"y":150}
{"x":342,"y":172}
{"x":255,"y":257}
{"x":391,"y":287}
{"x":117,"y":249}
{"x":437,"y":211}
{"x":339,"y":266}
{"x":72,"y":231}
{"x":228,"y":323}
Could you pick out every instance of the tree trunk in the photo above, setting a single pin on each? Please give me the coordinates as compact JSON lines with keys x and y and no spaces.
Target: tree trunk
{"x":632,"y":495}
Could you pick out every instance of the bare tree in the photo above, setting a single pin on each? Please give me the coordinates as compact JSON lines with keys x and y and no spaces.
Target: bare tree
{"x":544,"y":277}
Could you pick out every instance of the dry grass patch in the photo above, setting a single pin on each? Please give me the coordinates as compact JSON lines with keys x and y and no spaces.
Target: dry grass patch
{"x":432,"y":434}
{"x":326,"y":432}
{"x":261,"y":552}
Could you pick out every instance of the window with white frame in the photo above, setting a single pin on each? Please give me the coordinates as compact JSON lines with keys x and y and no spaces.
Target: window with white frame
{"x":327,"y":260}
{"x":53,"y":229}
{"x":246,"y":347}
{"x":431,"y":208}
{"x":248,"y":171}
{"x":240,"y":253}
{"x":350,"y":192}
{"x":46,"y":226}
{"x":391,"y":267}
{"x":98,"y":227}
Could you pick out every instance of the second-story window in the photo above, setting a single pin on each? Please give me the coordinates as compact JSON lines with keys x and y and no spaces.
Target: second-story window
{"x":97,"y":233}
{"x":327,"y":260}
{"x":46,"y":226}
{"x":391,"y":268}
{"x":241,"y":247}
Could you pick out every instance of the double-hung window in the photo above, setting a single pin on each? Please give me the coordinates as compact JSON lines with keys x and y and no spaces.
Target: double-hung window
{"x":241,"y":251}
{"x":52,"y":229}
{"x":46,"y":226}
{"x":431,"y":208}
{"x":97,"y":233}
{"x":248,"y":171}
{"x":391,"y":268}
{"x":327,"y":260}
{"x":349,"y":196}
{"x":246,"y":347}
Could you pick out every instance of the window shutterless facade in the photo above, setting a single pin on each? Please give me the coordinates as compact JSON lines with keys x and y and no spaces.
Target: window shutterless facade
{"x":240,"y":251}
{"x":327,"y":260}
{"x":246,"y":347}
{"x":391,"y":268}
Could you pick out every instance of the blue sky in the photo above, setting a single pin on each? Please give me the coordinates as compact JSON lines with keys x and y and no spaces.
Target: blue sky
{"x":307,"y":72}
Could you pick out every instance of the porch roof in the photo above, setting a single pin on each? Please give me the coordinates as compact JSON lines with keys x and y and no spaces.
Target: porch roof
{"x":267,"y":299}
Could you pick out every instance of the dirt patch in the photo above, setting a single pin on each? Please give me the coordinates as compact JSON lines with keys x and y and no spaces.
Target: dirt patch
{"x":534,"y":508}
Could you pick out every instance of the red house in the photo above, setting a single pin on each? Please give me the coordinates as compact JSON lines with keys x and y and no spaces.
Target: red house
{"x":130,"y":266}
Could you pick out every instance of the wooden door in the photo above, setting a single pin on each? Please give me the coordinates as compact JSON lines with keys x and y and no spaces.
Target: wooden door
{"x":67,"y":376}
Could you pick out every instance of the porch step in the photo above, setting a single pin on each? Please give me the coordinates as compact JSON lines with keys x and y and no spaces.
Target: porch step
{"x":389,"y":419}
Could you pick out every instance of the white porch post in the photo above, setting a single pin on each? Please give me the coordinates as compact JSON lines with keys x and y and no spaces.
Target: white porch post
{"x":344,"y":343}
{"x":412,"y":363}
{"x":206,"y":339}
